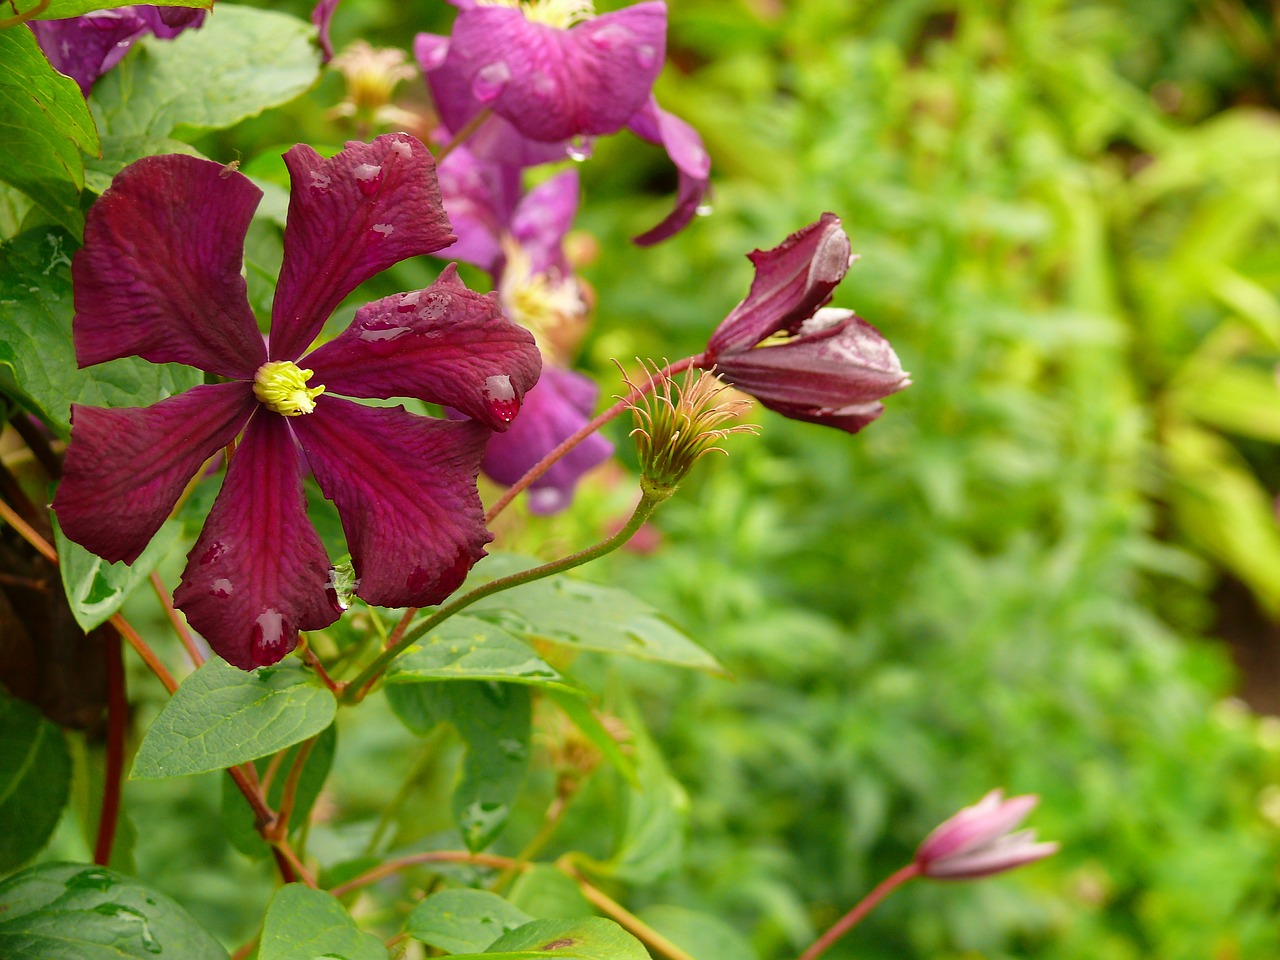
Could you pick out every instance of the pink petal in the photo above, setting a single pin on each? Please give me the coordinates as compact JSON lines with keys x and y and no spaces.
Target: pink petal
{"x":553,"y":83}
{"x":159,"y":273}
{"x":257,"y":572}
{"x":405,"y":488}
{"x":684,"y":147}
{"x":542,"y":218}
{"x":480,"y":197}
{"x":350,"y":217}
{"x":126,"y":468}
{"x":792,"y":281}
{"x":445,"y":344}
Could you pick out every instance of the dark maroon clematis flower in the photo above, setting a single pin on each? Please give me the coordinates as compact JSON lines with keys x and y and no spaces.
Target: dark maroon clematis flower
{"x":797,"y":356}
{"x":86,"y":47}
{"x":520,"y":241}
{"x":554,"y":75}
{"x":159,"y":277}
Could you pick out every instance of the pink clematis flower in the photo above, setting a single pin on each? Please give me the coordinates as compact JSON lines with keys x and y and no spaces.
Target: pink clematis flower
{"x":520,"y":241}
{"x":86,"y":47}
{"x":554,"y":75}
{"x":797,"y":356}
{"x":159,"y":277}
{"x":977,"y":842}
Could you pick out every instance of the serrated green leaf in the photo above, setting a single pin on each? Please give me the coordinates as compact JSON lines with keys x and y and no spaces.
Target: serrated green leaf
{"x":584,"y":616}
{"x":586,"y":938}
{"x":241,"y":62}
{"x":306,"y":924}
{"x":240,"y":819}
{"x":457,"y":921}
{"x":37,"y":355}
{"x":76,"y":911}
{"x":698,"y":934}
{"x":35,"y":781}
{"x":119,"y":152}
{"x":44,"y":124}
{"x":464,"y":648}
{"x":493,"y":720}
{"x":222,"y":716}
{"x":95,"y":588}
{"x":59,"y":9}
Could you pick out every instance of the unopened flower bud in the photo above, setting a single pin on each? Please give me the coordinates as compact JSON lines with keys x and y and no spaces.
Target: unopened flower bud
{"x":678,"y":423}
{"x":977,"y":842}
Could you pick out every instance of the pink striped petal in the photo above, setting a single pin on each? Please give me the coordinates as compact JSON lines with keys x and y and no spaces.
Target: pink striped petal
{"x":350,"y":217}
{"x":405,"y":488}
{"x":125,"y":468}
{"x":159,"y":273}
{"x":445,"y":344}
{"x":257,"y":573}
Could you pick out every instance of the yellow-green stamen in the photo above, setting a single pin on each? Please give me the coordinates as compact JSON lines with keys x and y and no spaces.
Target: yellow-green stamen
{"x":282,"y":386}
{"x":553,"y":13}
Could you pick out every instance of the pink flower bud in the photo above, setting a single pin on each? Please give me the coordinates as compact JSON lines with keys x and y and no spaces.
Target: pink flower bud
{"x":976,"y":842}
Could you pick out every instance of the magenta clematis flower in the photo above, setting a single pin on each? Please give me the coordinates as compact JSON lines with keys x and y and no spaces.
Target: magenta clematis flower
{"x":976,"y":842}
{"x":86,"y":47}
{"x":554,"y":75}
{"x":520,"y":241}
{"x":159,"y":277}
{"x":807,"y":361}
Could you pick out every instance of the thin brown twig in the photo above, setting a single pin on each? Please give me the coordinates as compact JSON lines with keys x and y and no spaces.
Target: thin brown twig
{"x":431,"y":856}
{"x":283,"y":849}
{"x":401,"y":627}
{"x":624,"y":917}
{"x":145,"y":652}
{"x":28,"y":532}
{"x":289,"y":795}
{"x":177,"y":622}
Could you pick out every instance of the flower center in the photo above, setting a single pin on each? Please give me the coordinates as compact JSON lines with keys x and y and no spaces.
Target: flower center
{"x":282,"y":386}
{"x":561,"y":14}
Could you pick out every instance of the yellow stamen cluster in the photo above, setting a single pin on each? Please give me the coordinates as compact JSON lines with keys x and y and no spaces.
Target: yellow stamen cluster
{"x":539,"y":302}
{"x":553,"y":13}
{"x":372,"y":74}
{"x":282,"y":386}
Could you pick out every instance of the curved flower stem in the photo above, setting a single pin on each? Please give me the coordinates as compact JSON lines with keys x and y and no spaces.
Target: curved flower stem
{"x":24,"y":16}
{"x":178,"y":624}
{"x":289,"y":796}
{"x":468,"y":128}
{"x":117,"y":715}
{"x":358,"y":688}
{"x":543,"y":465}
{"x":860,"y":910}
{"x":624,"y":917}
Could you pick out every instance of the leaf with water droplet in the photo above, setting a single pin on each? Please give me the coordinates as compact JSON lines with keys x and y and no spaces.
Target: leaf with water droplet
{"x":463,"y":921}
{"x":75,"y":911}
{"x":305,"y":924}
{"x":222,"y":716}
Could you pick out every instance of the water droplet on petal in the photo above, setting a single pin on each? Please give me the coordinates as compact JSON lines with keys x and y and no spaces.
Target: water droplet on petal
{"x":490,"y":80}
{"x":215,"y":552}
{"x":381,"y":329}
{"x":368,"y":178}
{"x":383,"y":229}
{"x":222,"y":588}
{"x":401,"y":149}
{"x":703,"y":210}
{"x":434,"y":307}
{"x":501,"y":398}
{"x":268,"y":630}
{"x":646,"y":55}
{"x":320,"y":181}
{"x":610,"y":36}
{"x":408,"y":301}
{"x":579,"y":149}
{"x":542,"y":83}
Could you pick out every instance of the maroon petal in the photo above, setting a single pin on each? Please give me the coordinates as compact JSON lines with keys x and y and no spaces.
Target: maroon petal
{"x":257,"y":572}
{"x":126,"y":468}
{"x":322,"y":19}
{"x":405,"y":488}
{"x":159,"y":273}
{"x":445,"y":344}
{"x":350,"y":217}
{"x":554,"y":83}
{"x":792,"y":281}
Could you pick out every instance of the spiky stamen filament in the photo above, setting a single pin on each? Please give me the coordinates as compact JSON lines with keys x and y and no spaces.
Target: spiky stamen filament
{"x":281,"y":386}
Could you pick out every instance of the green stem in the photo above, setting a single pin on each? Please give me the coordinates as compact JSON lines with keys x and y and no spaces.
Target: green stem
{"x":470,"y":127}
{"x":358,"y":688}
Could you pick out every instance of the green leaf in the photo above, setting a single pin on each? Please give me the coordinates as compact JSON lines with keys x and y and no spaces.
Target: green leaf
{"x":306,"y":924}
{"x":44,"y":124}
{"x":238,"y":816}
{"x":464,"y":648}
{"x":698,"y":934}
{"x":457,"y":921}
{"x":75,"y":911}
{"x":493,"y":720}
{"x":95,"y":588}
{"x":241,"y":62}
{"x":544,"y":891}
{"x":222,"y":716}
{"x":88,"y":769}
{"x":37,"y":355}
{"x":584,"y":616}
{"x":35,"y":781}
{"x":586,"y":938}
{"x":59,"y":9}
{"x":119,"y":152}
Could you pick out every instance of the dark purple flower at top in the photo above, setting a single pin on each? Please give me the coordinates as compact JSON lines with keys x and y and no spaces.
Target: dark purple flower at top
{"x":159,"y":277}
{"x":787,"y":349}
{"x":86,"y":47}
{"x":978,"y":841}
{"x":554,"y":76}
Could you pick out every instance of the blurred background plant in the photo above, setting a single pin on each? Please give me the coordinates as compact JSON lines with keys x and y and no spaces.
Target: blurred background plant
{"x":1026,"y":574}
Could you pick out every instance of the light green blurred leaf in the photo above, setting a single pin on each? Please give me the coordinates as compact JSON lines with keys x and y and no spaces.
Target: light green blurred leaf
{"x":588,"y":938}
{"x":35,"y":781}
{"x":306,"y":924}
{"x":700,"y":935}
{"x":465,"y":648}
{"x":458,"y":921}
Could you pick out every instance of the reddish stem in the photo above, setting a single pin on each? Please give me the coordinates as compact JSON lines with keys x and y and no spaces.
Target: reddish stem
{"x":117,"y":716}
{"x":860,"y":910}
{"x":545,"y":464}
{"x":145,"y":652}
{"x":432,"y":856}
{"x":178,"y":623}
